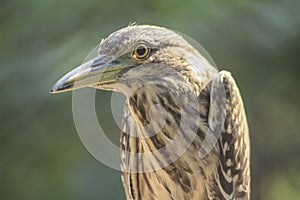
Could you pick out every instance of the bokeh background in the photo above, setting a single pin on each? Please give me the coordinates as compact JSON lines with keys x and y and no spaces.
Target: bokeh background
{"x":41,"y":155}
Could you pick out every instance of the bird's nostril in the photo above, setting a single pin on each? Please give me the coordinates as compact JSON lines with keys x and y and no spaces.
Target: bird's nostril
{"x":115,"y":62}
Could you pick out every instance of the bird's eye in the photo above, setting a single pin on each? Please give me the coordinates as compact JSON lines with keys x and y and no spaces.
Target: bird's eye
{"x":141,"y":51}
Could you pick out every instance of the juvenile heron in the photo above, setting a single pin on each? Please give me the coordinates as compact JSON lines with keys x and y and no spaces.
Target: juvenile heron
{"x":185,"y":133}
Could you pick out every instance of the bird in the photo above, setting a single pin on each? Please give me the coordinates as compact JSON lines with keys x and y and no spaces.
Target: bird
{"x":185,"y":133}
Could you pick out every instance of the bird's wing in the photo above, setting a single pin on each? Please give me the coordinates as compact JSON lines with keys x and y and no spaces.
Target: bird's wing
{"x":234,"y":144}
{"x":233,"y":171}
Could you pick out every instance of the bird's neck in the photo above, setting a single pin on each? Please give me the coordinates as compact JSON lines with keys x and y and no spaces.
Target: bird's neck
{"x":167,"y":96}
{"x":159,"y":125}
{"x":153,"y":103}
{"x":162,"y":111}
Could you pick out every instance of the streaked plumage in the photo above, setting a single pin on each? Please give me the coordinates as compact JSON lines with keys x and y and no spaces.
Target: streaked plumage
{"x":171,"y":75}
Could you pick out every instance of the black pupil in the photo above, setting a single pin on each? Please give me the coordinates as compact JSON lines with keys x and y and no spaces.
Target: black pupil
{"x":141,"y":51}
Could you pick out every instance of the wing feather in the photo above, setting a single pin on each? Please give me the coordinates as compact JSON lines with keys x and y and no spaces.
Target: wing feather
{"x":233,"y":172}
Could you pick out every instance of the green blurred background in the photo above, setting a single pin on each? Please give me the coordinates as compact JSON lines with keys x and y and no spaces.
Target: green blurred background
{"x":41,"y":156}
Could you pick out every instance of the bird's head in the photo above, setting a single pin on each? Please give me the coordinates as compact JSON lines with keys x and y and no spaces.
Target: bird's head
{"x":135,"y":55}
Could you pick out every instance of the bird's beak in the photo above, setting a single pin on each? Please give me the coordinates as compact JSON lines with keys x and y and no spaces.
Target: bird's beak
{"x":96,"y":72}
